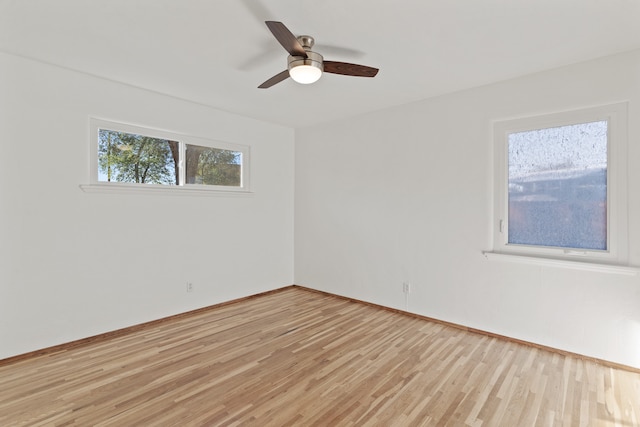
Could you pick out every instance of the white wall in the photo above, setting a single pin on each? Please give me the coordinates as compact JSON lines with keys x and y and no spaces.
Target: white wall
{"x":400,"y":195}
{"x":74,"y":264}
{"x":405,"y":194}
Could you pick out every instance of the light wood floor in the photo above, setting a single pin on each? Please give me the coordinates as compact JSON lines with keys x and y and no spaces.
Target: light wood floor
{"x":302,"y":358}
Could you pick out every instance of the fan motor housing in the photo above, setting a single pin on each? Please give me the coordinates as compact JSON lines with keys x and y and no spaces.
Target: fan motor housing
{"x":313,"y":59}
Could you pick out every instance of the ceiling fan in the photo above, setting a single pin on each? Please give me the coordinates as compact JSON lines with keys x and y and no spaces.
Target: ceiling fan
{"x":306,"y":66}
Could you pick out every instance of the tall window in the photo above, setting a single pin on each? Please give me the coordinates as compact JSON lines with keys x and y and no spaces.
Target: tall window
{"x":135,"y":156}
{"x":560,"y":185}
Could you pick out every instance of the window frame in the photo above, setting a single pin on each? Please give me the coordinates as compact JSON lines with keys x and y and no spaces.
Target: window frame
{"x":95,"y":125}
{"x":616,"y":217}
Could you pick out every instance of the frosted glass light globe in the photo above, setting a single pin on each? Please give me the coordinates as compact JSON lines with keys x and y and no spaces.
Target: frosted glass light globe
{"x":305,"y":74}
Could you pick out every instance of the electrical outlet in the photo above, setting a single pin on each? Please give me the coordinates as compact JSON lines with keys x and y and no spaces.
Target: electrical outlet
{"x":189,"y":287}
{"x":406,"y":287}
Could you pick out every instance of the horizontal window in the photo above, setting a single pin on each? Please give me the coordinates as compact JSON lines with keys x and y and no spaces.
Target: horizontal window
{"x":132,"y":156}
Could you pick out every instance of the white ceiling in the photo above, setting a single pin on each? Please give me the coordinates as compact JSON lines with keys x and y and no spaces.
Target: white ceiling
{"x":216,"y":52}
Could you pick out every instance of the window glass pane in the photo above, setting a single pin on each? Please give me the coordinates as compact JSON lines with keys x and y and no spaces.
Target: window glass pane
{"x":128,"y":157}
{"x":213,"y":166}
{"x":558,"y":186}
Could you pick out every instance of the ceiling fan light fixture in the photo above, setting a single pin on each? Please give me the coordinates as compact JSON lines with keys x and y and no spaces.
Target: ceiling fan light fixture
{"x":306,"y":66}
{"x":305,"y":74}
{"x":306,"y":70}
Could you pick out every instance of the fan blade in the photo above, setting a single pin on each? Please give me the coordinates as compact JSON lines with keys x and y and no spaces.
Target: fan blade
{"x":286,"y":38}
{"x":344,"y":68}
{"x":275,"y":80}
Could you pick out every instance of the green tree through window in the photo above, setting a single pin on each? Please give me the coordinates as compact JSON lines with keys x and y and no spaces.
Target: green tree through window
{"x":126,"y":157}
{"x":139,"y":159}
{"x":212,"y":166}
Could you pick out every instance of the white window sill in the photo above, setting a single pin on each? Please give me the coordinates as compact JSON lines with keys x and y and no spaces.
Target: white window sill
{"x":561,"y":263}
{"x":162,"y":190}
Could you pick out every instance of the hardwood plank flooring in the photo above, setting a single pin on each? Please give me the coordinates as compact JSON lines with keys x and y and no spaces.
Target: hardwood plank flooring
{"x":301,"y":358}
